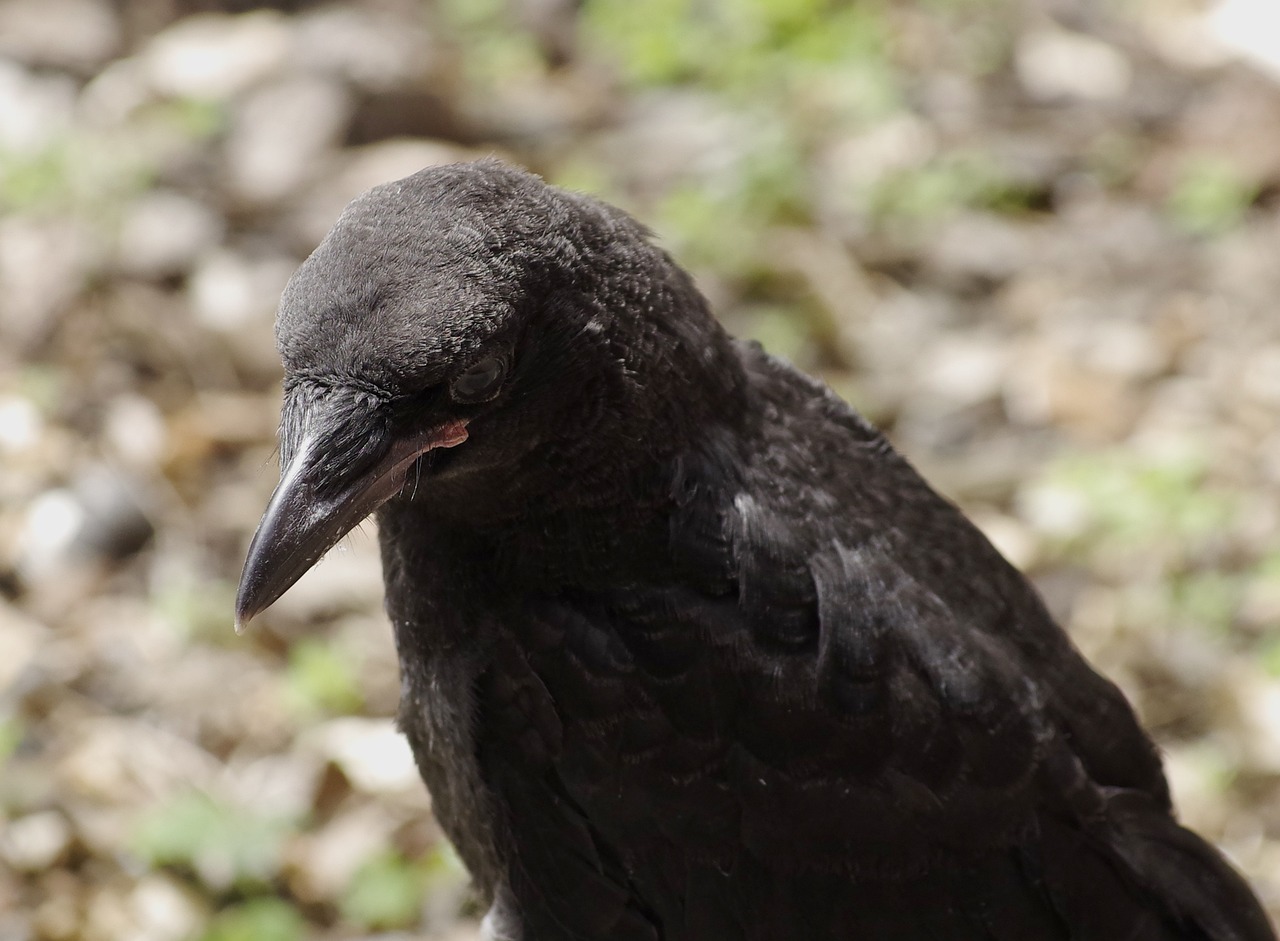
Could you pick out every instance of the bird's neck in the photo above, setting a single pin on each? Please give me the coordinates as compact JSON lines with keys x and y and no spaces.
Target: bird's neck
{"x":603,"y":530}
{"x":548,"y":544}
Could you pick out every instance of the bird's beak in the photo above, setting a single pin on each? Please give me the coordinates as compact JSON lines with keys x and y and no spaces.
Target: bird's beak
{"x":304,"y":520}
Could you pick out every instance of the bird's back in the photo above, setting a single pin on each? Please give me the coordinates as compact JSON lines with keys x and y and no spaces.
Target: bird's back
{"x":828,"y":709}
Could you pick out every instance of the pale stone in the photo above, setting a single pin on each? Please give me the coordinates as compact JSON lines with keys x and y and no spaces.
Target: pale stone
{"x":35,"y":110}
{"x":35,"y":842}
{"x":372,"y":753}
{"x":20,"y":424}
{"x":1010,"y":536}
{"x":1056,"y":63}
{"x":53,"y":521}
{"x":77,"y":34}
{"x":325,"y":861}
{"x":1054,"y":510}
{"x":22,"y":644}
{"x":135,"y":429}
{"x":375,"y":51}
{"x":1250,"y":29}
{"x":281,"y":134}
{"x":965,"y":369}
{"x":349,"y":577}
{"x":230,"y":290}
{"x":164,"y":232}
{"x":216,"y":56}
{"x":44,"y":264}
{"x":1260,"y":702}
{"x":164,"y":910}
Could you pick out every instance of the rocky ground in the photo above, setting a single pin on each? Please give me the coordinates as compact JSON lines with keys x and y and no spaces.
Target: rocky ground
{"x":1036,"y":241}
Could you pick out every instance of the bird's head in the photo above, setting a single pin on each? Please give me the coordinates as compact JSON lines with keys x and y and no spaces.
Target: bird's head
{"x":475,"y":341}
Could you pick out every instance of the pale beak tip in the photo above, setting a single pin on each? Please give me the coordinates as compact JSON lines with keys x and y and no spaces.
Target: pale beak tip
{"x":246,"y":608}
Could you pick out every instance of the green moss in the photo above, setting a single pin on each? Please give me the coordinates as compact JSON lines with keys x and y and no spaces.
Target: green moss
{"x":1139,"y":501}
{"x":494,"y":52}
{"x":1207,"y":601}
{"x":1211,"y":196}
{"x":197,"y":609}
{"x":1154,"y":528}
{"x":1269,"y":657}
{"x":322,"y":679}
{"x":389,"y":891}
{"x":758,"y":50}
{"x":386,"y":892}
{"x":32,"y":180}
{"x":192,"y":118}
{"x":11,"y":733}
{"x":260,"y":919}
{"x":944,"y":185}
{"x":723,"y":223}
{"x":781,"y":332}
{"x":226,"y":844}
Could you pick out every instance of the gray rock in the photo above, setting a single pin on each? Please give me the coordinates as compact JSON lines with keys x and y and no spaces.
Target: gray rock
{"x":367,"y":47}
{"x":216,"y":56}
{"x":44,"y":264}
{"x":1055,"y":63}
{"x":281,"y":135}
{"x":35,"y":110}
{"x":164,"y":232}
{"x":79,"y":35}
{"x":35,"y":842}
{"x":230,"y":290}
{"x":100,"y":518}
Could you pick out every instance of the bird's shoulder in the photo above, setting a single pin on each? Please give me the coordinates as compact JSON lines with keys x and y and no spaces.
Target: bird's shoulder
{"x":892,"y":573}
{"x":833,"y":638}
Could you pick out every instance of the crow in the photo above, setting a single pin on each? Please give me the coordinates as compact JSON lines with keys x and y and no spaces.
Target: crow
{"x":688,"y":651}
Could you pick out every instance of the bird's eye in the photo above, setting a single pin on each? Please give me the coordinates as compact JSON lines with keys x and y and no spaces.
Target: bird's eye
{"x":480,"y":382}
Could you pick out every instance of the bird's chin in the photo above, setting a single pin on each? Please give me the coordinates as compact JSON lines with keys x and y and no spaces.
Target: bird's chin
{"x":409,"y":462}
{"x":308,"y":514}
{"x":434,"y":474}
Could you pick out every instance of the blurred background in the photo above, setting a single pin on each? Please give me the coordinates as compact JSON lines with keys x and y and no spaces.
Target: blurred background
{"x":1038,"y":241}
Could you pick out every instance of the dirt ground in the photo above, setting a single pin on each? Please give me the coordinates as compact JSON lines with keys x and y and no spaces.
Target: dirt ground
{"x":1037,"y":242}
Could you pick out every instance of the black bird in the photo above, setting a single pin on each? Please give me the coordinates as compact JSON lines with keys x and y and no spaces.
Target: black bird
{"x":688,"y":652}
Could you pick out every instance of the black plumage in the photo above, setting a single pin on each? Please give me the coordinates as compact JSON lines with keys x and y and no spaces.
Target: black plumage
{"x":688,"y":651}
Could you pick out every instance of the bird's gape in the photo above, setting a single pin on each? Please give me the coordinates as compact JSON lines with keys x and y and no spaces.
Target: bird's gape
{"x":449,"y":435}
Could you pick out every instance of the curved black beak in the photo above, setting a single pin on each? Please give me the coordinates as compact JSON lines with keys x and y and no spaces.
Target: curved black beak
{"x":307,"y":514}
